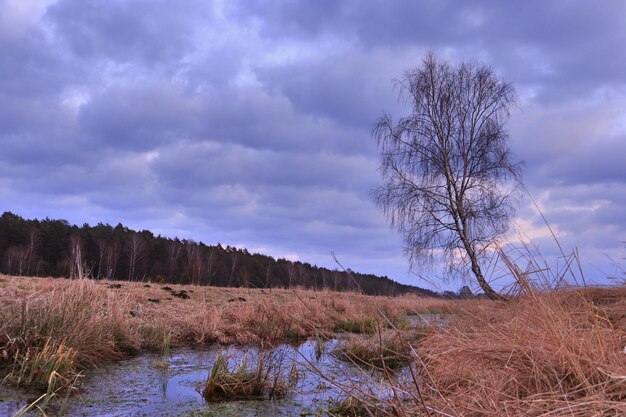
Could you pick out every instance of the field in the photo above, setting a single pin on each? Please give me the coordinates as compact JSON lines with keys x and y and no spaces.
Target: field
{"x":558,"y":353}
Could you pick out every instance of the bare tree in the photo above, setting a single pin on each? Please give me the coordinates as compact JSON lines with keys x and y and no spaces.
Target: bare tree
{"x":291,"y":273}
{"x":78,"y":268}
{"x":136,"y":249}
{"x":210,"y":265}
{"x":190,"y":251}
{"x":173,"y":253}
{"x":33,"y":237}
{"x":102,"y":246}
{"x":111,"y":255}
{"x":233,"y":257}
{"x":194,"y":262}
{"x":268,"y":270}
{"x":244,"y":277}
{"x":11,"y":255}
{"x":447,"y":175}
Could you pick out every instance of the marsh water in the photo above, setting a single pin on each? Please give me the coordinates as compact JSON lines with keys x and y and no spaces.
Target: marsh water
{"x":142,"y":386}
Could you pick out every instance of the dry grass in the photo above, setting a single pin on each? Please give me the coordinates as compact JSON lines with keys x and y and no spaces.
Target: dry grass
{"x":550,"y":350}
{"x":540,"y":354}
{"x":99,"y":322}
{"x":547,"y":353}
{"x":384,"y":351}
{"x":54,"y":330}
{"x":558,"y":353}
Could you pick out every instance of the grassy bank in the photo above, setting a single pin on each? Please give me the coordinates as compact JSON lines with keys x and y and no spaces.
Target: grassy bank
{"x":558,"y":353}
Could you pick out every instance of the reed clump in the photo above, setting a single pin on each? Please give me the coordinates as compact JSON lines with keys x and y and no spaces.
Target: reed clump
{"x":356,"y":407}
{"x":229,"y":382}
{"x":51,"y":368}
{"x":164,"y":356}
{"x":83,"y":317}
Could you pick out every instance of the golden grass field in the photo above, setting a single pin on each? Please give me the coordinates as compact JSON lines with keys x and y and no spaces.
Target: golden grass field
{"x":551,"y":353}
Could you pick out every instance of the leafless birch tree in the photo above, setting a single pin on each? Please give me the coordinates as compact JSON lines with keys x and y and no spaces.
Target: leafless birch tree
{"x":447,"y":173}
{"x":136,"y":249}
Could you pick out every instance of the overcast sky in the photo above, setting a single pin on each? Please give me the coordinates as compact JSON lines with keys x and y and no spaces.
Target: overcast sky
{"x":249,"y":123}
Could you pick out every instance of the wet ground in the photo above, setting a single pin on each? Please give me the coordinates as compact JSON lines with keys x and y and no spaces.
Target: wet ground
{"x":139,"y":387}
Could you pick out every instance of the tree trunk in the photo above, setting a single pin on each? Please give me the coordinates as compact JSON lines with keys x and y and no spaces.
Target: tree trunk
{"x":491,"y":293}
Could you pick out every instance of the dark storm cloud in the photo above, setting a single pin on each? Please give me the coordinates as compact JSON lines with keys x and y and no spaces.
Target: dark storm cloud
{"x":251,"y":117}
{"x":333,"y":87}
{"x":147,"y":31}
{"x":139,"y":116}
{"x":29,"y":68}
{"x":373,"y":22}
{"x":250,"y":189}
{"x":566,"y":46}
{"x":249,"y":123}
{"x":194,"y":165}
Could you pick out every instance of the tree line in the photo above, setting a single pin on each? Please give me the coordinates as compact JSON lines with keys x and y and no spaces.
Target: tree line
{"x":57,"y":248}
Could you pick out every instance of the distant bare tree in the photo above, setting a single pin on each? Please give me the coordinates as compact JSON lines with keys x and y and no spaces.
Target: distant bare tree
{"x":110,"y":257}
{"x":33,"y":236}
{"x":173,"y":253}
{"x":11,"y":258}
{"x":446,"y":166}
{"x":268,"y":270}
{"x":78,"y":268}
{"x":244,"y":277}
{"x":195,"y":265}
{"x":291,"y":273}
{"x":233,"y":257}
{"x":102,"y":247}
{"x":20,"y":259}
{"x":136,"y":249}
{"x":210,"y":265}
